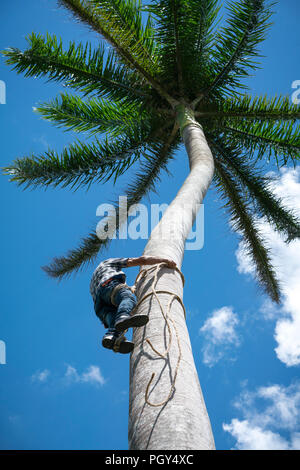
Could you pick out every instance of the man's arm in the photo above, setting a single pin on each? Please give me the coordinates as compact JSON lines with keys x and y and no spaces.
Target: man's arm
{"x":149,"y":260}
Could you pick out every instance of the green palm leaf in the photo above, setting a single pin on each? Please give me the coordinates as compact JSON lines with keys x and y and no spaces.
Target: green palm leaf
{"x":129,"y":18}
{"x":266,"y":204}
{"x":120,"y":23}
{"x":264,"y":139}
{"x":244,"y":223}
{"x":95,"y":116}
{"x":260,"y":108}
{"x":236,"y":44}
{"x":184,"y":34}
{"x":172,"y":59}
{"x":79,"y":67}
{"x":79,"y":164}
{"x":143,"y":182}
{"x":102,"y":17}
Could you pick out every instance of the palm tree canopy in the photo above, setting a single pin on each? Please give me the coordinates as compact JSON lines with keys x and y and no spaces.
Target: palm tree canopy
{"x":157,"y":65}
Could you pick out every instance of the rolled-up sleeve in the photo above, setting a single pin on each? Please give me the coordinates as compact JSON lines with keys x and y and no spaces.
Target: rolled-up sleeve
{"x":118,"y":262}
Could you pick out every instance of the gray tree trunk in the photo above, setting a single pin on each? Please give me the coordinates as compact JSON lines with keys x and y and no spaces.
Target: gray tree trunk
{"x":182,"y":422}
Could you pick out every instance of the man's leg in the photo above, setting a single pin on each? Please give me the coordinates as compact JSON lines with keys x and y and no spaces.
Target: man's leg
{"x":125,"y":302}
{"x":113,"y":339}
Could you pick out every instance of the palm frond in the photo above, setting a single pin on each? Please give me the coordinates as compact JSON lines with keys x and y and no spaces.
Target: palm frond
{"x":264,"y":139}
{"x":278,"y":108}
{"x":170,"y":16}
{"x":202,"y":67}
{"x":80,"y":164}
{"x":142,"y":184}
{"x":120,"y":23}
{"x":205,"y":19}
{"x":236,"y":44}
{"x":128,"y":16}
{"x":183,"y":32}
{"x":78,"y":66}
{"x":94,"y":116}
{"x":173,"y":57}
{"x":244,"y":223}
{"x":265,"y":202}
{"x":104,"y":20}
{"x":86,"y":252}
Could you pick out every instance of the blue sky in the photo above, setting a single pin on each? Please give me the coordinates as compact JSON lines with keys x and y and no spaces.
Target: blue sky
{"x":59,"y":389}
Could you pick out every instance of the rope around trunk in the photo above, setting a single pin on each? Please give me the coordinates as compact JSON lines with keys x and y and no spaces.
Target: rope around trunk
{"x":167,"y":319}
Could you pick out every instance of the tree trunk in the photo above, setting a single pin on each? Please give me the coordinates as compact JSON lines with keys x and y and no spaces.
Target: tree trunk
{"x":180,"y":421}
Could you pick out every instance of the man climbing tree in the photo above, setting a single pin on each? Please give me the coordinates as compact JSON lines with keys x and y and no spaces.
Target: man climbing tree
{"x":114,"y":300}
{"x":172,"y":77}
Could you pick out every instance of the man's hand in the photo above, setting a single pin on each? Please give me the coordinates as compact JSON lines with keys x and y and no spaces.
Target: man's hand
{"x":150,"y":260}
{"x":171,"y":264}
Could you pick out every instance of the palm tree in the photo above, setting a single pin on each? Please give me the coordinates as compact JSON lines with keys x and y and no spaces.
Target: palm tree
{"x":170,"y":75}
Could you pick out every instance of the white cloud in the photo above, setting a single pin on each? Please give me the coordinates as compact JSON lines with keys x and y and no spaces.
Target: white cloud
{"x":269,"y":311}
{"x":285,"y":403}
{"x":40,"y":376}
{"x":219,"y":333}
{"x":71,"y":374}
{"x":220,"y":326}
{"x":286,"y":259}
{"x":262,"y":428}
{"x":92,"y":375}
{"x":251,"y":437}
{"x":41,"y":140}
{"x":14,"y":419}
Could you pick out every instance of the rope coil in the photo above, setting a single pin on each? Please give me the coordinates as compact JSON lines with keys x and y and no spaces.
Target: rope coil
{"x":167,"y":319}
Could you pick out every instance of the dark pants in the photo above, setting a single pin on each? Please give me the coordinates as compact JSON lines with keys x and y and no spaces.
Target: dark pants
{"x":107,"y":312}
